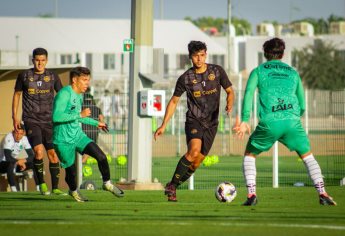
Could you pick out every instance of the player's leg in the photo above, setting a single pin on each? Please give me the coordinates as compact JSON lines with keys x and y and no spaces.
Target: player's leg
{"x":70,"y":178}
{"x":8,"y":167}
{"x":207,"y":142}
{"x":261,"y":140}
{"x":34,"y":135}
{"x":182,"y":167}
{"x":54,"y":165}
{"x":297,"y":140}
{"x":92,"y":149}
{"x":66,"y":154}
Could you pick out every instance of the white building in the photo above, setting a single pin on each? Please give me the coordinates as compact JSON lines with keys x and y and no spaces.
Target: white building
{"x":97,"y":44}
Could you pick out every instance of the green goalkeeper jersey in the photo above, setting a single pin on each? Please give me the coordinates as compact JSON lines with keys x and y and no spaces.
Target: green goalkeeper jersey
{"x":281,"y":95}
{"x":66,"y":117}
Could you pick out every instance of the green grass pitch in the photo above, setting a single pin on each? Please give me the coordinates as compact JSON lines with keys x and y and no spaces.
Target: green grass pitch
{"x":281,"y":211}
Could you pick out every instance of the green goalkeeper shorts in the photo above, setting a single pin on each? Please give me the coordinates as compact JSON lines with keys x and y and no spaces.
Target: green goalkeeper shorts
{"x":66,"y":152}
{"x":288,"y":132}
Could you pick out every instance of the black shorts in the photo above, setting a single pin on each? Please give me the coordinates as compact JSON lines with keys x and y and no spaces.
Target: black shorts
{"x":39,"y":133}
{"x":195,"y":130}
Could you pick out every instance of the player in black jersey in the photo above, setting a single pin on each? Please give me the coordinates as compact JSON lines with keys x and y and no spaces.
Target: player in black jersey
{"x":202,"y":83}
{"x":37,"y":85}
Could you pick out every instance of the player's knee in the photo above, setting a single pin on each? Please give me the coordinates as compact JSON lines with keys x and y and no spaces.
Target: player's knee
{"x":53,"y":158}
{"x":39,"y":154}
{"x":193,"y":155}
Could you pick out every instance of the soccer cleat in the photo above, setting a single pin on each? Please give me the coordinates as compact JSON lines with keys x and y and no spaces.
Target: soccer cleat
{"x":57,"y":191}
{"x":327,"y":200}
{"x":113,"y":189}
{"x":251,"y":201}
{"x":170,"y":191}
{"x":44,"y":189}
{"x":77,"y":196}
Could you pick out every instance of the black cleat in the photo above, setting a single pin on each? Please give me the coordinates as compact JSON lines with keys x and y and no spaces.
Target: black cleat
{"x":251,"y":201}
{"x":170,"y":191}
{"x":327,"y":200}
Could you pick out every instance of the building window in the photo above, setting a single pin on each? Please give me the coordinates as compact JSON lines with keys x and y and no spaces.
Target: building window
{"x":183,"y":61}
{"x":30,"y":60}
{"x":109,"y":61}
{"x":65,"y":59}
{"x":218,"y":60}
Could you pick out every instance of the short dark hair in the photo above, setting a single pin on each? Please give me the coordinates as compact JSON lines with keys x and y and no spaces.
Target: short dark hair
{"x":196,"y":46}
{"x":39,"y":51}
{"x":78,"y":71}
{"x":274,"y":48}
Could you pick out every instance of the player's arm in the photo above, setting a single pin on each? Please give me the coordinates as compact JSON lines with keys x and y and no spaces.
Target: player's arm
{"x":226,"y":84}
{"x":18,"y":88}
{"x":252,"y":83}
{"x":15,"y":105}
{"x":31,"y":155}
{"x":230,"y":97}
{"x":57,"y":83}
{"x":171,"y":107}
{"x":300,"y":95}
{"x":59,"y":109}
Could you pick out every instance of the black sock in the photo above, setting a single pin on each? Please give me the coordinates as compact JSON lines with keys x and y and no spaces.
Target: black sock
{"x":71,"y":174}
{"x":38,"y":169}
{"x":54,"y":169}
{"x":184,"y":178}
{"x":92,"y":149}
{"x":181,"y":169}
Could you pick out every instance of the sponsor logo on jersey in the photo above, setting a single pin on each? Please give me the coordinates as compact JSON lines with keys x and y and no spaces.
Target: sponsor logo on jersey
{"x":42,"y":91}
{"x":31,"y":79}
{"x":209,"y":92}
{"x":194,"y":81}
{"x":282,"y":107}
{"x":194,"y":131}
{"x":197,"y":94}
{"x":39,"y":83}
{"x":46,"y":78}
{"x":31,"y":91}
{"x":272,"y":66}
{"x":211,"y":76}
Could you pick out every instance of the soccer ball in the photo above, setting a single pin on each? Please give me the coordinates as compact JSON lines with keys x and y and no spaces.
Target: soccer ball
{"x":226,"y":192}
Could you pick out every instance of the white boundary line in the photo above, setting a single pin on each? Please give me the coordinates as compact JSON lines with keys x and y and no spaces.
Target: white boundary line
{"x":310,"y":226}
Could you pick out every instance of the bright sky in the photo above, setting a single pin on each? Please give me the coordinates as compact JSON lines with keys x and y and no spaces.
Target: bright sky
{"x":255,"y":11}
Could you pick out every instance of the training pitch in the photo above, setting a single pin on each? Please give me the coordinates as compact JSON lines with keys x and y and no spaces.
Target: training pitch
{"x":281,"y":211}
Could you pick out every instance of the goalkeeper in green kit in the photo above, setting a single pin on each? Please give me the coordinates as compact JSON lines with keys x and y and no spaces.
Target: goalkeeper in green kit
{"x":68,"y":136}
{"x":281,"y":104}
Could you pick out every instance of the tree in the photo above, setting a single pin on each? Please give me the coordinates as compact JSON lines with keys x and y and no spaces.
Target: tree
{"x":243,"y":27}
{"x":322,"y":66}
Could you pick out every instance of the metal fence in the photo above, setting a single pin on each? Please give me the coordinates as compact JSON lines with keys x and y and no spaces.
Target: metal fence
{"x":324,"y":122}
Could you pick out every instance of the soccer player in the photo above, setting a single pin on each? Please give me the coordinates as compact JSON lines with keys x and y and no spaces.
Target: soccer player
{"x":37,"y":85}
{"x":69,"y":137}
{"x":12,"y":146}
{"x":202,"y":83}
{"x":281,"y":99}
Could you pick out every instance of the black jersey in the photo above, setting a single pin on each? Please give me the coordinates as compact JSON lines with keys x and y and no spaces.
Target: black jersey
{"x":38,"y":94}
{"x":203,"y":93}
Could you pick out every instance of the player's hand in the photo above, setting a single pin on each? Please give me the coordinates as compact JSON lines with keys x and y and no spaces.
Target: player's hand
{"x":21,"y":164}
{"x":85,"y":113}
{"x":242,"y":129}
{"x":158,"y":132}
{"x":228,"y":109}
{"x":16,"y":124}
{"x":103,"y":126}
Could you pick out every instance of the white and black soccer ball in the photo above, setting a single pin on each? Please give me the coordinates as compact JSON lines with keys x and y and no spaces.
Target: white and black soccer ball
{"x":226,"y":192}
